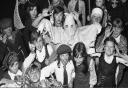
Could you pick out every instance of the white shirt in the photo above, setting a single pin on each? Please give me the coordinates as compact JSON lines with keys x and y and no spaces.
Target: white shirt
{"x":41,"y":55}
{"x":93,"y":77}
{"x":28,"y":60}
{"x":118,"y":39}
{"x":53,"y":68}
{"x":110,"y":59}
{"x":12,"y":75}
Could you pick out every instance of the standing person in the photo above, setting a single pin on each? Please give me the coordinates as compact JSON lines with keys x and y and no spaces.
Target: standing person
{"x":101,"y":4}
{"x":58,"y":3}
{"x":108,"y":62}
{"x":79,"y":7}
{"x":114,"y":9}
{"x":63,"y":67}
{"x":85,"y":75}
{"x":116,"y":33}
{"x":12,"y":63}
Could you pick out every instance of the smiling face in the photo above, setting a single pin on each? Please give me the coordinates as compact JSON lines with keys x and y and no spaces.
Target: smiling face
{"x":99,"y":3}
{"x":79,"y":60}
{"x":14,"y":67}
{"x":33,"y":12}
{"x":39,"y":43}
{"x":64,"y":58}
{"x":117,"y":32}
{"x":58,"y":19}
{"x":34,"y":75}
{"x":109,"y":48}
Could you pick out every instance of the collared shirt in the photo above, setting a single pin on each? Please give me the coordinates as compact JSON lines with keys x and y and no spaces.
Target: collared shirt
{"x":41,"y":55}
{"x":58,"y":70}
{"x":12,"y":75}
{"x":93,"y":76}
{"x":118,"y":39}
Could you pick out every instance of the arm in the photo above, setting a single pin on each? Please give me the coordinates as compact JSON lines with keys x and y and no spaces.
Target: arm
{"x":69,"y":7}
{"x":27,"y":62}
{"x":93,"y":77}
{"x":52,"y":54}
{"x":83,"y":14}
{"x":37,"y":20}
{"x":48,"y":70}
{"x":123,"y":59}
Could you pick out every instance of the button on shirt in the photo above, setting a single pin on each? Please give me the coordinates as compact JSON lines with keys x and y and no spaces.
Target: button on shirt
{"x":58,"y":70}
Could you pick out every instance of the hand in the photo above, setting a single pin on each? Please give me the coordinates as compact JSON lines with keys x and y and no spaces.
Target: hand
{"x":4,"y":39}
{"x":70,"y":85}
{"x":76,"y":15}
{"x":117,"y":51}
{"x":100,"y":48}
{"x":88,"y":18}
{"x":108,"y":32}
{"x":31,"y":47}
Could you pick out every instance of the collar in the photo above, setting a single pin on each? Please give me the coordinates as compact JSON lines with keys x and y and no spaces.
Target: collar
{"x":108,"y":59}
{"x":12,"y":75}
{"x":118,"y":39}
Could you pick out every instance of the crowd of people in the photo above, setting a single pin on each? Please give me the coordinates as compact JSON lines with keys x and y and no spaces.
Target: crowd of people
{"x":64,"y":46}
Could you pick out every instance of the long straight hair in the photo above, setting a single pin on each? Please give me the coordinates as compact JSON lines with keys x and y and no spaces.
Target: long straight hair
{"x":80,"y":50}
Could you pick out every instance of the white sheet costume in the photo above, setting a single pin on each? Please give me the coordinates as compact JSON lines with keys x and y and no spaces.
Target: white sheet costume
{"x":71,"y":34}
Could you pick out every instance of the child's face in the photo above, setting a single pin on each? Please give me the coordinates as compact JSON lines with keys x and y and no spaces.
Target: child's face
{"x":99,"y":3}
{"x":34,"y":75}
{"x":117,"y":32}
{"x":58,"y":19}
{"x":78,"y":60}
{"x":109,"y":48}
{"x":64,"y":58}
{"x":8,"y":31}
{"x":33,"y":12}
{"x":39,"y":44}
{"x":14,"y":68}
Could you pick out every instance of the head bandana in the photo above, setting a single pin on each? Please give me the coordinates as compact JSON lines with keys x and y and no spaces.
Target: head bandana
{"x":97,"y":12}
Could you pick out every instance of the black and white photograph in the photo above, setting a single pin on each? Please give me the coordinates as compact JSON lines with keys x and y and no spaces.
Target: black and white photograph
{"x":63,"y":43}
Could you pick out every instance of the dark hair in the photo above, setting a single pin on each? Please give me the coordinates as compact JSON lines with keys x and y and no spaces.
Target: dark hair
{"x":29,"y":7}
{"x":34,"y":37}
{"x":57,"y":10}
{"x":10,"y":59}
{"x":80,"y":49}
{"x":110,"y":39}
{"x":58,"y":59}
{"x":118,"y":22}
{"x":34,"y":67}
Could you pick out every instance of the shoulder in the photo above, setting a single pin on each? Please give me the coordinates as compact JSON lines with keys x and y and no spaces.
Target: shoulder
{"x":123,"y":38}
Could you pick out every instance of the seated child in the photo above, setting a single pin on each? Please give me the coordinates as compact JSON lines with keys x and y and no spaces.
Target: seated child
{"x":33,"y":77}
{"x":13,"y":68}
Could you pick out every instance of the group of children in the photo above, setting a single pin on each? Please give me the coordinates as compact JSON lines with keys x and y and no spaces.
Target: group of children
{"x":54,"y":49}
